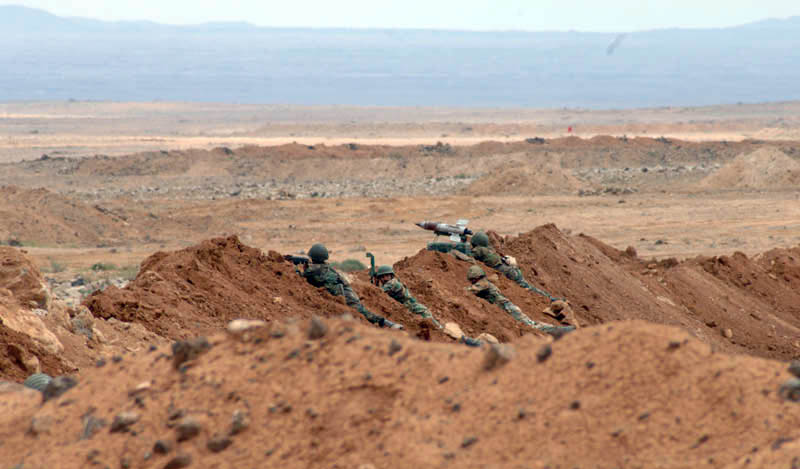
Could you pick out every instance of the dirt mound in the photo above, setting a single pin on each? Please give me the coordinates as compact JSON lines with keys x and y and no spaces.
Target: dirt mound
{"x":20,"y":279}
{"x":765,"y":168}
{"x":734,"y":303}
{"x":783,"y":264}
{"x":525,"y":175}
{"x":20,"y":356}
{"x":38,"y":216}
{"x":439,"y":281}
{"x":199,"y":289}
{"x":605,"y":397}
{"x":26,"y":344}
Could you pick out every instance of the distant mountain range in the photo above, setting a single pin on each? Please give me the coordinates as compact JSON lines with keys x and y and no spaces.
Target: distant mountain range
{"x":47,"y":57}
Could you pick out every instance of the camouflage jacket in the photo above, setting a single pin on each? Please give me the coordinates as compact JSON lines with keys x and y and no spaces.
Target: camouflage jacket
{"x":486,"y":290}
{"x":487,"y":256}
{"x":323,"y":275}
{"x":450,"y":247}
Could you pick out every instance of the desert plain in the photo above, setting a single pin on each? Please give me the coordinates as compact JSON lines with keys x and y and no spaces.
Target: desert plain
{"x":673,"y":233}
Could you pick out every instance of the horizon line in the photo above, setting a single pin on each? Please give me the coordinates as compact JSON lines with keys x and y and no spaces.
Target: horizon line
{"x":409,"y":29}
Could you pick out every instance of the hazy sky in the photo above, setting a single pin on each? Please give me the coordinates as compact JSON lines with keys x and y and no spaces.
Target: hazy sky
{"x":532,"y":15}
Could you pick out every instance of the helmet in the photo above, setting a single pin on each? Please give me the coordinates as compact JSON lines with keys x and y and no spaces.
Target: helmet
{"x":479,"y":239}
{"x":318,"y":253}
{"x":475,"y":272}
{"x":384,"y":270}
{"x":37,"y":381}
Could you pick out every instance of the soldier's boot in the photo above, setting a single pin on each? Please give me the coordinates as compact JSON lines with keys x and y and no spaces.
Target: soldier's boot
{"x":434,"y":321}
{"x":372,"y":317}
{"x":470,"y":342}
{"x":391,"y":325}
{"x":556,"y":331}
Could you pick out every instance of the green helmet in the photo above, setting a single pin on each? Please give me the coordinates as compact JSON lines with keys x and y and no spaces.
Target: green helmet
{"x":384,"y":270}
{"x":479,"y":239}
{"x":318,"y":253}
{"x":475,"y":273}
{"x":37,"y":381}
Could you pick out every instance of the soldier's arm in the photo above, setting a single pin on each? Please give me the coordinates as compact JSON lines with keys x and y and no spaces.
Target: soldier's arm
{"x":479,"y":253}
{"x":394,"y":287}
{"x":462,"y":257}
{"x":479,"y":286}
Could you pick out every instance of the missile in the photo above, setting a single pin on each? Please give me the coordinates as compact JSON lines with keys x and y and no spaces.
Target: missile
{"x":457,"y":232}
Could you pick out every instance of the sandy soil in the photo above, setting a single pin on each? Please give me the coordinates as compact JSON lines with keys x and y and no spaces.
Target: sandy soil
{"x":679,"y":256}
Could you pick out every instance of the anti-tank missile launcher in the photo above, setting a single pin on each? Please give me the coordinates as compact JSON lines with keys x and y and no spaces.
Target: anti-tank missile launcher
{"x":457,"y":232}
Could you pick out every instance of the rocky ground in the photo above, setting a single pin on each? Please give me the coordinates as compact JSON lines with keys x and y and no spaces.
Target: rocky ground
{"x":680,"y":262}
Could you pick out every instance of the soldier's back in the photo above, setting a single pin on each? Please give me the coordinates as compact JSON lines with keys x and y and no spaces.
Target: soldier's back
{"x":322,"y":275}
{"x":487,"y":256}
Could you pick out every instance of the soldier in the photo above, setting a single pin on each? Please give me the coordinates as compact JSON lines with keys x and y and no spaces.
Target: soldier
{"x":393,"y":287}
{"x":483,"y":252}
{"x":485,"y":289}
{"x":320,"y":274}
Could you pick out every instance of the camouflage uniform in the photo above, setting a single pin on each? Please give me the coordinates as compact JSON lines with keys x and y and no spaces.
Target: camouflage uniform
{"x":486,"y":290}
{"x":450,"y":247}
{"x":400,"y":293}
{"x":489,"y":257}
{"x":323,"y":275}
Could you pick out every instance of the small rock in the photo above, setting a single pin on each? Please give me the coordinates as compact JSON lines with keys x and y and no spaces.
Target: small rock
{"x":92,"y":454}
{"x":123,"y":421}
{"x":31,"y":364}
{"x":179,"y":461}
{"x":790,"y":390}
{"x":317,"y":328}
{"x":218,"y":443}
{"x":40,"y":425}
{"x":728,"y":333}
{"x":125,"y":463}
{"x":488,"y":338}
{"x":453,"y":331}
{"x":162,"y":447}
{"x":175,"y":414}
{"x":469,"y":441}
{"x":239,"y":326}
{"x":83,"y":323}
{"x":239,"y":422}
{"x":186,"y":350}
{"x":497,"y":356}
{"x":394,"y":347}
{"x":187,"y":429}
{"x":794,"y":368}
{"x":544,"y":353}
{"x":116,"y":358}
{"x":140,"y":388}
{"x":58,"y":386}
{"x":91,"y":425}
